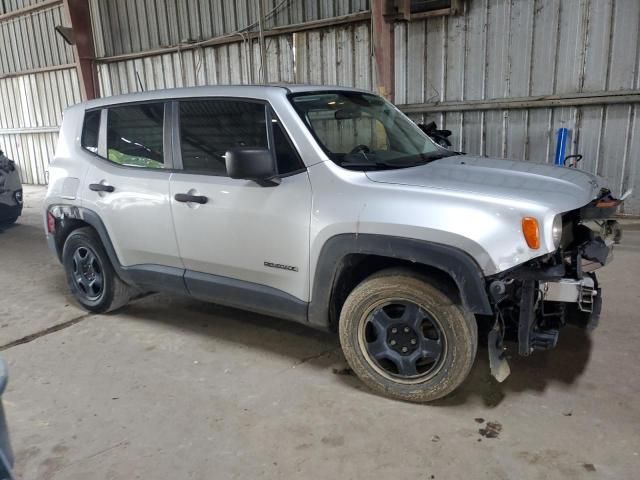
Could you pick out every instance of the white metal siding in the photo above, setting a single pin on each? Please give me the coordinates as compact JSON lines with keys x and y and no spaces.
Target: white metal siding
{"x":7,"y":6}
{"x":332,"y":56}
{"x":31,"y":104}
{"x":30,"y":41}
{"x":126,"y":26}
{"x":30,"y":117}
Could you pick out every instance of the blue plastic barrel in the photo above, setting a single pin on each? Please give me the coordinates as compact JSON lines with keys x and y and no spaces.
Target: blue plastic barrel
{"x":561,"y":146}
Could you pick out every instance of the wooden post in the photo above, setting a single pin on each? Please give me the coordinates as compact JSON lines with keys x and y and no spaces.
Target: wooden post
{"x":383,"y":48}
{"x":79,"y":15}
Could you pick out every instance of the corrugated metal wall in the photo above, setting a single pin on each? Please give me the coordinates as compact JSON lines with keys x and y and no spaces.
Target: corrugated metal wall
{"x":31,"y":104}
{"x":122,"y":26}
{"x":30,"y":41}
{"x":499,"y":49}
{"x":234,"y":63}
{"x":11,"y":5}
{"x":505,"y":49}
{"x":336,"y":56}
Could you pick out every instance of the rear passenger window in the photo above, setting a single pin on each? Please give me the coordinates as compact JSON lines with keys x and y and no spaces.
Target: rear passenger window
{"x":134,"y":135}
{"x":208,"y":128}
{"x":91,"y":131}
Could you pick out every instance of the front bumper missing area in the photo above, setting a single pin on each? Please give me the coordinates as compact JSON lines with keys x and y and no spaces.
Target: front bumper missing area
{"x":582,"y":292}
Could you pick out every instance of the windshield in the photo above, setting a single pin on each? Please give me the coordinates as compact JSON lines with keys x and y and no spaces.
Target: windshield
{"x":361,"y":131}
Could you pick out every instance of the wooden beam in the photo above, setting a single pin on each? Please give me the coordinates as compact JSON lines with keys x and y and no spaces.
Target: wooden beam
{"x":519,"y":103}
{"x":52,"y":68}
{"x":30,"y":9}
{"x":79,"y":15}
{"x":383,"y":48}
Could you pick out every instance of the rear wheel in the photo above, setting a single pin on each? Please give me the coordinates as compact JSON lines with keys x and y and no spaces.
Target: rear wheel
{"x":406,"y":337}
{"x":90,"y":275}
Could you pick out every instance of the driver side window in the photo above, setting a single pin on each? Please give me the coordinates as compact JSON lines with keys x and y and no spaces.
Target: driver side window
{"x":208,"y":128}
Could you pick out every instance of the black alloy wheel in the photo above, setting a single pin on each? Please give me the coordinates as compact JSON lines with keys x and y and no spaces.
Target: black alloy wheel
{"x":403,"y":340}
{"x":88,"y":275}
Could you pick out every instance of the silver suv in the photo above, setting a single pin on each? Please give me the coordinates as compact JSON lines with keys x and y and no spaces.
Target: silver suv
{"x":327,"y":206}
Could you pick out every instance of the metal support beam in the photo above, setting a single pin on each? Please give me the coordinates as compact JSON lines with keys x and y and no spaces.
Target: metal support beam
{"x":79,"y":15}
{"x":383,"y":48}
{"x":33,"y":71}
{"x":519,"y":103}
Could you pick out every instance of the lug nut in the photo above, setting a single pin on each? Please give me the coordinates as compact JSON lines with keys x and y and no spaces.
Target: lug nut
{"x":406,"y":329}
{"x":392,"y":342}
{"x":413,"y":341}
{"x":394,"y":330}
{"x":405,"y":349}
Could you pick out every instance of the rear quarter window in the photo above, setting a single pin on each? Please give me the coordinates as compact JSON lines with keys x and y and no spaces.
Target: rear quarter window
{"x":91,"y":131}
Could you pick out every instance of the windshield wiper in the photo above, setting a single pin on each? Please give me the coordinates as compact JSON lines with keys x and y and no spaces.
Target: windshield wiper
{"x":371,"y":164}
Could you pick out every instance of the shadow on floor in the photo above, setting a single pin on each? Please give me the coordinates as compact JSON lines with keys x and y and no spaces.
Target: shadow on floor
{"x":321,"y":350}
{"x":563,"y":364}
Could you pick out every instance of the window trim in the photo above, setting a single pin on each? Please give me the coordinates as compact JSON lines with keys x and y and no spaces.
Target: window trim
{"x":303,"y":167}
{"x":171,"y":134}
{"x":102,"y":135}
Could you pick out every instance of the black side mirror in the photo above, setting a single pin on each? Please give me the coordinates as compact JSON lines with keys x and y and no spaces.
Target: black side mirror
{"x":252,"y":163}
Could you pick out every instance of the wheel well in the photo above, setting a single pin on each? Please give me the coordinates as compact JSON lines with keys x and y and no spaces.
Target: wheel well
{"x":64,"y":228}
{"x":354,"y":268}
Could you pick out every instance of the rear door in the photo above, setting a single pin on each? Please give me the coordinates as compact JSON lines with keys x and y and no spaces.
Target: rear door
{"x":258,"y":235}
{"x":127,"y":183}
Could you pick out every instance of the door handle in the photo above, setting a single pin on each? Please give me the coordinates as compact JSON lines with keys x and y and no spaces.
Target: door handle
{"x":187,"y":198}
{"x":100,"y":187}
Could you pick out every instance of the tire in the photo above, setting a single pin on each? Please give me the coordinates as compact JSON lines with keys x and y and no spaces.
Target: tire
{"x":85,"y":261}
{"x":441,"y":342}
{"x":7,"y":222}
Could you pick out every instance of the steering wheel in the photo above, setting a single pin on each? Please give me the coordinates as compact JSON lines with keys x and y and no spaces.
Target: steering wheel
{"x":360,"y":148}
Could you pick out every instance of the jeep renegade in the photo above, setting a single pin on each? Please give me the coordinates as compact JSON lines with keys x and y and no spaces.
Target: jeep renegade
{"x":328,"y":206}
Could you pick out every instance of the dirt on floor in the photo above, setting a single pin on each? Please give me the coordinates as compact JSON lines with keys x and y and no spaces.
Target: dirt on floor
{"x":170,"y":387}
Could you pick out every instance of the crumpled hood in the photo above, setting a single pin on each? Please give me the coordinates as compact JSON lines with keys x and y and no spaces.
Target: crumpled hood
{"x":559,"y":188}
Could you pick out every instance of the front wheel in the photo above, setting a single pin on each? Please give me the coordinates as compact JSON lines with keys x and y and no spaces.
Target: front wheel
{"x":407,"y":337}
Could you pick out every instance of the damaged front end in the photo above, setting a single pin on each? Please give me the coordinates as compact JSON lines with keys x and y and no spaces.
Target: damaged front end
{"x":534,"y":300}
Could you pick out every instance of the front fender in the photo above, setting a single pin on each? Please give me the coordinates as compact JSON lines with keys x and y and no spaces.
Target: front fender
{"x":460,"y":266}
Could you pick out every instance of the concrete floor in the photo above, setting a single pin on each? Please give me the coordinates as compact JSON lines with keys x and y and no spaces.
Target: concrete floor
{"x":175,"y":388}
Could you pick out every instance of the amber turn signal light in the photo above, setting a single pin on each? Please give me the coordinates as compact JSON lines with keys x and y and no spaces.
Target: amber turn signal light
{"x":531,"y":232}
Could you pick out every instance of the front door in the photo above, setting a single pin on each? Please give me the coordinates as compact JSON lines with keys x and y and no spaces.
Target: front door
{"x":243,"y":234}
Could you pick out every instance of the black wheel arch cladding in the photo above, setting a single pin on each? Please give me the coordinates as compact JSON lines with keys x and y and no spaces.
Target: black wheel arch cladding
{"x":457,"y":264}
